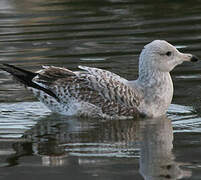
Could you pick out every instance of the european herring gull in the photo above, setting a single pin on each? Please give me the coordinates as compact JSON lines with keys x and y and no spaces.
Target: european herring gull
{"x":98,"y":93}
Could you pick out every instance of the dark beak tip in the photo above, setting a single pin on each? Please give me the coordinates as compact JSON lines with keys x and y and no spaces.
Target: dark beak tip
{"x":194,"y":59}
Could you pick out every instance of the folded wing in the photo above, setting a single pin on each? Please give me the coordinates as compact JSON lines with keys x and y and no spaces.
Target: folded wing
{"x":101,"y":88}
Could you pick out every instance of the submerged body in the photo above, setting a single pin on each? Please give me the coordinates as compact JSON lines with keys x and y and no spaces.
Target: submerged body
{"x":95,"y":92}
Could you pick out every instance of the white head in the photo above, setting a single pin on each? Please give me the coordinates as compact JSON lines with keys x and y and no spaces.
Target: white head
{"x":162,"y":56}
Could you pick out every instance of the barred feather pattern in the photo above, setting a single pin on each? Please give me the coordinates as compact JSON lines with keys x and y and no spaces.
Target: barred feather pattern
{"x":92,"y":92}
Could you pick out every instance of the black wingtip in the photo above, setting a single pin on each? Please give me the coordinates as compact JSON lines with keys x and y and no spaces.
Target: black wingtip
{"x":16,"y":70}
{"x":25,"y":77}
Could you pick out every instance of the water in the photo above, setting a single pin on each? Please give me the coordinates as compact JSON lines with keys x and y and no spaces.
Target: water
{"x":109,"y":34}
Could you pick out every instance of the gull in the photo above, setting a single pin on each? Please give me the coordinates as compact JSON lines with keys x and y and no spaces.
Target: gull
{"x":98,"y":93}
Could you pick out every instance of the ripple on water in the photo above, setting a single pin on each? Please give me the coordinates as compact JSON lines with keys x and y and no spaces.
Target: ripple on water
{"x":120,"y":150}
{"x":184,"y":119}
{"x":16,"y":118}
{"x":107,"y":34}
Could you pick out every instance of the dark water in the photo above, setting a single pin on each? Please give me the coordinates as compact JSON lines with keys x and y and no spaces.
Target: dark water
{"x":109,"y":34}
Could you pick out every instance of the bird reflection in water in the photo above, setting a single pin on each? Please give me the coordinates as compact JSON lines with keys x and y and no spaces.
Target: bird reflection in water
{"x":95,"y":143}
{"x":157,"y":161}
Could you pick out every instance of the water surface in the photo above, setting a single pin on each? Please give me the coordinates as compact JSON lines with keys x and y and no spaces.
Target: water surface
{"x":109,"y":34}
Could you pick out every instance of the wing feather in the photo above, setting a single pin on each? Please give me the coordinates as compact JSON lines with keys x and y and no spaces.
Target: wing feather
{"x":102,"y":73}
{"x":101,"y":88}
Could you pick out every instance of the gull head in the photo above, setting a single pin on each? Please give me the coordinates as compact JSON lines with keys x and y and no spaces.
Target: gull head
{"x":162,"y":56}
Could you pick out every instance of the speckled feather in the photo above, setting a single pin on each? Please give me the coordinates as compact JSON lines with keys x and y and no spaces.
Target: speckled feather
{"x":104,"y":91}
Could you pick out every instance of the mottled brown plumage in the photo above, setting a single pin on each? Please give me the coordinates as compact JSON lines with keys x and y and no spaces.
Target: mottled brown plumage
{"x":107,"y":91}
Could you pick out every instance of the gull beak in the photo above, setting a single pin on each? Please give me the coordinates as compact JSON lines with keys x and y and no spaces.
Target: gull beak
{"x":188,"y":57}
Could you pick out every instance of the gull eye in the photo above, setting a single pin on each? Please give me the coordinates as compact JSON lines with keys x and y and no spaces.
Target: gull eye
{"x":168,"y":53}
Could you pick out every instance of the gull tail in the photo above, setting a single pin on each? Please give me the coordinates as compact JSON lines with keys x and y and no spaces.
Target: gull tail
{"x":25,"y":77}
